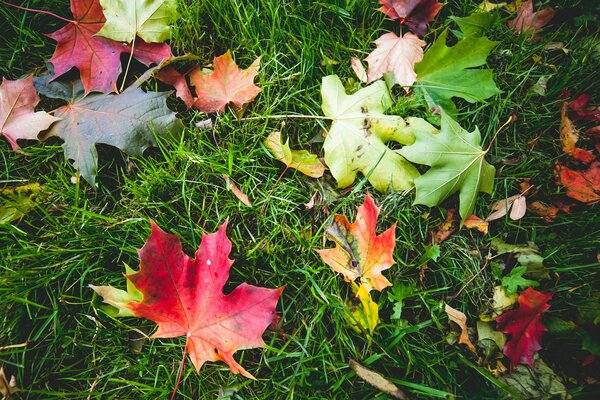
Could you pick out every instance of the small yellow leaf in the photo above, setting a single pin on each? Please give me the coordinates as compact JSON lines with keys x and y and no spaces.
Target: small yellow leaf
{"x":460,"y":319}
{"x":365,"y":315}
{"x":302,"y":160}
{"x":488,"y":6}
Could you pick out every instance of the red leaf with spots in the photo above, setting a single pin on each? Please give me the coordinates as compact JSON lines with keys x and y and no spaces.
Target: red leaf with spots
{"x":415,"y":14}
{"x":524,"y":325}
{"x":184,"y":296}
{"x":98,"y":59}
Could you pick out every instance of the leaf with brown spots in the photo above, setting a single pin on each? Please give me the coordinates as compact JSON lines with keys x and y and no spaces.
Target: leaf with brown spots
{"x":184,"y":296}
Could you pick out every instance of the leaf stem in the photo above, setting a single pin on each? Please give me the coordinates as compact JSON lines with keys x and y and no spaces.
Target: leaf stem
{"x":508,"y":121}
{"x":181,"y":366}
{"x":286,"y":116}
{"x":38,"y":11}
{"x":128,"y":64}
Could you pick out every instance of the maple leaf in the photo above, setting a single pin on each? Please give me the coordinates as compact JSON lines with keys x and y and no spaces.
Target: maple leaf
{"x":184,"y":296}
{"x":524,"y":325}
{"x":447,"y":72}
{"x":302,"y":160}
{"x":581,"y":185}
{"x":225,"y":84}
{"x":129,"y":121}
{"x":515,"y":280}
{"x":172,"y":77}
{"x":457,"y":164}
{"x":359,"y":251}
{"x":148,"y":19}
{"x":97,"y":58}
{"x":18,"y":120}
{"x":398,"y":55}
{"x":416,"y":14}
{"x":569,"y":136}
{"x":583,"y":111}
{"x":529,"y":21}
{"x":356,"y":141}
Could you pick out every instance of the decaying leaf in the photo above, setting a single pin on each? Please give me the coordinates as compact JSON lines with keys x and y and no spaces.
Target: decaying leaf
{"x":364,"y":315}
{"x":128,"y":121}
{"x":474,"y":222}
{"x":583,"y":110}
{"x":545,"y":211}
{"x":416,"y":14}
{"x":18,"y":201}
{"x":457,"y":164}
{"x":376,"y":380}
{"x":97,"y":58}
{"x":460,"y":319}
{"x":225,"y":84}
{"x":302,"y":160}
{"x":537,"y":381}
{"x":148,"y":19}
{"x":236,"y":191}
{"x":583,"y":185}
{"x":7,"y":387}
{"x":529,"y":21}
{"x":527,"y":256}
{"x":359,"y":69}
{"x":444,"y":230}
{"x":184,"y":296}
{"x":447,"y":72}
{"x":18,"y":120}
{"x":517,"y":205}
{"x":397,"y":55}
{"x":359,"y":252}
{"x":486,"y":331}
{"x":569,"y":136}
{"x":356,"y":141}
{"x":501,"y":302}
{"x":524,"y":325}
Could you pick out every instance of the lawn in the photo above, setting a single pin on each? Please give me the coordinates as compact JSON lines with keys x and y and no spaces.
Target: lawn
{"x":59,"y":342}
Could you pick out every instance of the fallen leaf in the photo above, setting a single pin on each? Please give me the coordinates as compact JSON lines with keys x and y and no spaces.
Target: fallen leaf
{"x":524,"y":325}
{"x":97,"y":58}
{"x":485,"y":331}
{"x":519,"y":208}
{"x":236,"y":191}
{"x":18,"y":201}
{"x":302,"y":160}
{"x":503,"y":206}
{"x":225,"y":84}
{"x":583,"y":110}
{"x":7,"y":387}
{"x":359,"y":69}
{"x":185,"y":297}
{"x":457,"y":164}
{"x":444,"y":230}
{"x":415,"y":14}
{"x":537,"y":381}
{"x":356,"y":141}
{"x":544,"y":211}
{"x":476,"y":24}
{"x":527,"y":256}
{"x":514,"y":281}
{"x":501,"y":302}
{"x":376,"y":380}
{"x":447,"y":72}
{"x":129,"y":121}
{"x":148,"y":19}
{"x":311,"y":203}
{"x":569,"y":136}
{"x":172,"y":77}
{"x":460,"y":319}
{"x":397,"y":55}
{"x":364,"y":315}
{"x":359,"y":251}
{"x":583,"y":186}
{"x":487,"y":6}
{"x":529,"y":21}
{"x":474,"y":222}
{"x":70,"y":91}
{"x":18,"y":118}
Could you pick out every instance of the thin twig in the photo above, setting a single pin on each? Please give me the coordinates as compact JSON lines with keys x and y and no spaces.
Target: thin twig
{"x":38,"y":11}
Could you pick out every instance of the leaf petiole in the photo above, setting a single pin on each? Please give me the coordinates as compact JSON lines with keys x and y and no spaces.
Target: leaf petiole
{"x":38,"y":11}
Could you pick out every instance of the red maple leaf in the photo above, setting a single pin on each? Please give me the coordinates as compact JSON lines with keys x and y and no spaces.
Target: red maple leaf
{"x":581,"y":185}
{"x":184,"y":296}
{"x":98,"y":59}
{"x":359,"y":251}
{"x":172,"y":77}
{"x":225,"y":84}
{"x":415,"y":14}
{"x":525,"y":327}
{"x":529,"y":21}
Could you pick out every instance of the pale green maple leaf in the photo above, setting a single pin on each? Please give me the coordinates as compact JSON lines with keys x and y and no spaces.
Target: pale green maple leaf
{"x":446,"y":72}
{"x":356,"y":141}
{"x":457,"y":165}
{"x":148,"y":19}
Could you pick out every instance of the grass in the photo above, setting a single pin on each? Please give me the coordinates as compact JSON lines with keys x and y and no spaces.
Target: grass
{"x":77,"y":236}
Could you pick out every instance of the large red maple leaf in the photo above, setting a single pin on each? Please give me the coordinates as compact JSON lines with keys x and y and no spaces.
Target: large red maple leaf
{"x":184,"y":296}
{"x":98,"y":59}
{"x":415,"y":14}
{"x":525,"y":327}
{"x":359,"y":251}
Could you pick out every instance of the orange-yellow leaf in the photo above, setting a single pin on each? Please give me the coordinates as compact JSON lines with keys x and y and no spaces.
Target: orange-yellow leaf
{"x":359,"y":251}
{"x":474,"y":222}
{"x":302,"y":160}
{"x":460,"y":319}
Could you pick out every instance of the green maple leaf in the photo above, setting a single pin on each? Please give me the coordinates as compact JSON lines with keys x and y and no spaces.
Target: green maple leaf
{"x":515,"y":281}
{"x":445,"y":72}
{"x":356,"y":141}
{"x":129,"y":121}
{"x":457,"y":164}
{"x":148,"y":19}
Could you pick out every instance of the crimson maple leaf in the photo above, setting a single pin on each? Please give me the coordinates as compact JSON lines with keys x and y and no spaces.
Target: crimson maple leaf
{"x":17,"y":117}
{"x":525,"y":327}
{"x":415,"y":14}
{"x":98,"y":59}
{"x":529,"y":21}
{"x":184,"y":296}
{"x":359,"y":252}
{"x":225,"y":84}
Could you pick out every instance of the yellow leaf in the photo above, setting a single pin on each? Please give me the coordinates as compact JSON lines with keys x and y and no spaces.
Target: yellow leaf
{"x":365,"y":315}
{"x":302,"y":160}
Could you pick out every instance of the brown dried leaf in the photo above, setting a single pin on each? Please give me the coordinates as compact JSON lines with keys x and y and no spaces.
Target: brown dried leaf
{"x":376,"y":380}
{"x":460,"y":319}
{"x":236,"y":191}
